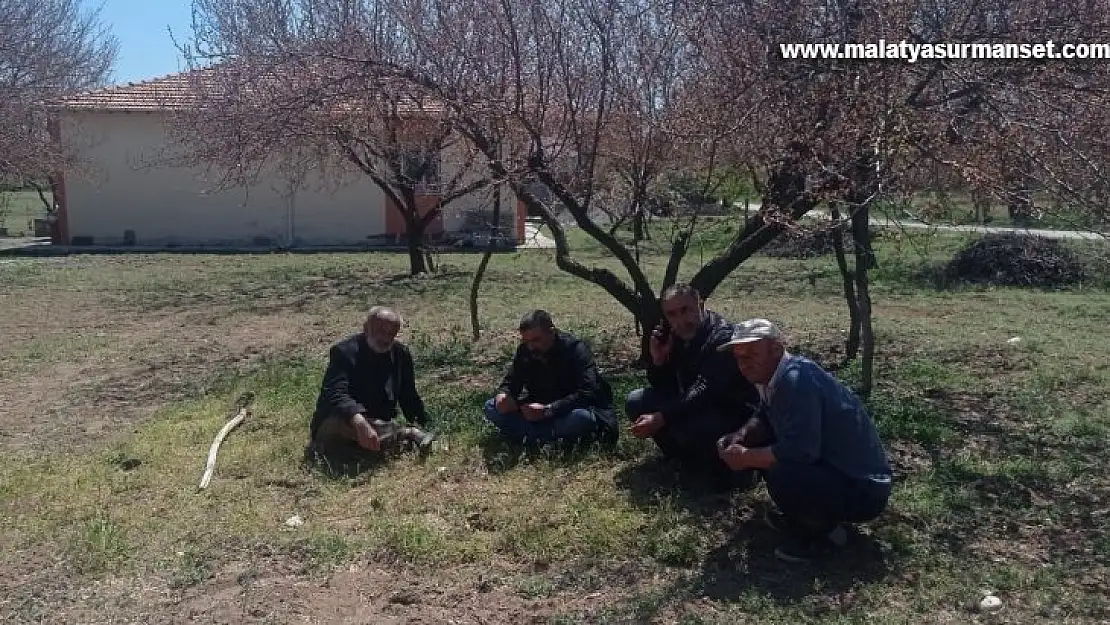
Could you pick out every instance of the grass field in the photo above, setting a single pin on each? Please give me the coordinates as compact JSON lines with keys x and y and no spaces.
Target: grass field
{"x":117,"y":371}
{"x":18,"y":210}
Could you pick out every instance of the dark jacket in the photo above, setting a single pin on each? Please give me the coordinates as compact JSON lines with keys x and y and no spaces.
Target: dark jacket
{"x":360,"y":380}
{"x":567,"y":379}
{"x":703,"y":379}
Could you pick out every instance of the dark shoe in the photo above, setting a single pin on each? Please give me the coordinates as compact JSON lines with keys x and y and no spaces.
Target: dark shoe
{"x":801,"y":550}
{"x":778,"y":522}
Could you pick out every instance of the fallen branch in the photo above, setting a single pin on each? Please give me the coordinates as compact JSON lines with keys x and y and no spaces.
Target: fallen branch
{"x":243,"y":405}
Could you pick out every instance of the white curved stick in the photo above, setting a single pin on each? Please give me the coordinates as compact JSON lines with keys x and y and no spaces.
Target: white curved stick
{"x":231,"y":425}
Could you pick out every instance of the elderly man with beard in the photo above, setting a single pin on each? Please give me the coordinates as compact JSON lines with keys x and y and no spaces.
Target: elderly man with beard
{"x":696,"y":393}
{"x":368,"y":375}
{"x":552,"y":390}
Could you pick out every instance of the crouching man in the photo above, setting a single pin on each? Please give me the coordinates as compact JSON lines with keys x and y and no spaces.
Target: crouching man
{"x":552,"y":390}
{"x":817,"y":448}
{"x":368,"y":375}
{"x":696,"y":393}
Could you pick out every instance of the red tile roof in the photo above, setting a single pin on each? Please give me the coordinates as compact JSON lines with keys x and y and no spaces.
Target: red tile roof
{"x":178,"y":91}
{"x":165,"y":93}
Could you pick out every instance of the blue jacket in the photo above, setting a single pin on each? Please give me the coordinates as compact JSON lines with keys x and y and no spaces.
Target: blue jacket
{"x":815,"y":418}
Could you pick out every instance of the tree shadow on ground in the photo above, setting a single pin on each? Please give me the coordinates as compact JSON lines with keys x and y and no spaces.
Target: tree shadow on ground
{"x":349,"y":462}
{"x":650,"y":480}
{"x":742,"y":569}
{"x":746,"y":563}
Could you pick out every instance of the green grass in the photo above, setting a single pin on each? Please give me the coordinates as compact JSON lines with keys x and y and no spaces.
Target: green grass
{"x":18,"y":210}
{"x":997,"y":447}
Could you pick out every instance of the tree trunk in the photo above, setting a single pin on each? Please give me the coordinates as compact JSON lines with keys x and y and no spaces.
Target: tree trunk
{"x":481,"y":271}
{"x":648,"y":318}
{"x":851,"y":347}
{"x":786,"y":191}
{"x":865,"y":259}
{"x":414,"y":232}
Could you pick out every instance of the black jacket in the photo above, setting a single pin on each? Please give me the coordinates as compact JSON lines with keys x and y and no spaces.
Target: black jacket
{"x":360,"y":380}
{"x":566,"y":380}
{"x":701,"y":378}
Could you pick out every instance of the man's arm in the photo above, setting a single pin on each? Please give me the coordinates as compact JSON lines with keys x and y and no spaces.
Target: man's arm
{"x":337,"y":385}
{"x":662,"y":377}
{"x":795,"y":411}
{"x":512,"y":384}
{"x":716,"y":373}
{"x":408,"y":397}
{"x":587,"y":387}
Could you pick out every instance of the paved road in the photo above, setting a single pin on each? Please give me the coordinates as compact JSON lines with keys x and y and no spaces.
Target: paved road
{"x":886,"y":222}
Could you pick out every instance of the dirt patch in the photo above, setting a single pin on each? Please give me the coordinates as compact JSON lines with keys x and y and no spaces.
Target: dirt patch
{"x":273,"y":589}
{"x":55,"y":393}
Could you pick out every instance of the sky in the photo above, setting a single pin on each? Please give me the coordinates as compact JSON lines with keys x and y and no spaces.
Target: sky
{"x":146,"y":49}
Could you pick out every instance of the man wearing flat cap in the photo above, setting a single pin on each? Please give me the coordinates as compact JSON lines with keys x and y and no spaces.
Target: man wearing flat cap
{"x":813,"y":441}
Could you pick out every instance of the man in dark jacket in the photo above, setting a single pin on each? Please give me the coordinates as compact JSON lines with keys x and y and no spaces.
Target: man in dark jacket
{"x":368,"y":375}
{"x":552,"y":390}
{"x":696,"y":393}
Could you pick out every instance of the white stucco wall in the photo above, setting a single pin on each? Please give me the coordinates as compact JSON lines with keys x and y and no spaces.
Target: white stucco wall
{"x":120,"y":186}
{"x":456,"y":159}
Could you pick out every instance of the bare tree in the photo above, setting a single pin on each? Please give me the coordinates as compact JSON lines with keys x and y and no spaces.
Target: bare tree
{"x":589,"y":109}
{"x":280,"y":87}
{"x":48,"y":49}
{"x":592,"y":93}
{"x":857,"y":129}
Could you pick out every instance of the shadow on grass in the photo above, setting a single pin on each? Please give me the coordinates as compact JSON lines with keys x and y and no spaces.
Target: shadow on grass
{"x":351,"y":461}
{"x":655,"y":478}
{"x":746,"y":563}
{"x":741,"y":570}
{"x":501,"y":455}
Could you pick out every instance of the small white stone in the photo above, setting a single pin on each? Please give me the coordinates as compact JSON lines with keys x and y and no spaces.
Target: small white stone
{"x":441,"y":470}
{"x":1014,"y":341}
{"x":990,"y":603}
{"x":294,"y":521}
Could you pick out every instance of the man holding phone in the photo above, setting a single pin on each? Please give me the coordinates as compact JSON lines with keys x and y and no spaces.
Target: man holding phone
{"x":696,"y":393}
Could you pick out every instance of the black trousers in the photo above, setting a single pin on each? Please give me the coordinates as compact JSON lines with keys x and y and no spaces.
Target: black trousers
{"x":693,"y":439}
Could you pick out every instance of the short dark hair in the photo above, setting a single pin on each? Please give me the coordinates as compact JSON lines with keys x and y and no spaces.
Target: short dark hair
{"x":680,"y":288}
{"x":537,"y":319}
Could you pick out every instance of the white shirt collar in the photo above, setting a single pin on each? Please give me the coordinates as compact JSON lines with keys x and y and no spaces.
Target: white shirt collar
{"x":766,"y":390}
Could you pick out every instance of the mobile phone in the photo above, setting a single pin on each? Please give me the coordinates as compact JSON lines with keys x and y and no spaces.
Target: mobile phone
{"x":662,"y":332}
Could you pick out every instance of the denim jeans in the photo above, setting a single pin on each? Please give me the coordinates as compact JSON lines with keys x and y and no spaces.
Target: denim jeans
{"x":573,"y":425}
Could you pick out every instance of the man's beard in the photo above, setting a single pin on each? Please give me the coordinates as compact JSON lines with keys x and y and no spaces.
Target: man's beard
{"x":380,"y":348}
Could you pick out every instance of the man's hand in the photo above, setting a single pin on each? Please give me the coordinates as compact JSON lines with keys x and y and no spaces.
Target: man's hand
{"x":754,"y":433}
{"x":505,"y":404}
{"x":734,"y":456}
{"x":660,"y":350}
{"x":732,"y":438}
{"x":367,"y":436}
{"x":532,"y":412}
{"x":647,"y":425}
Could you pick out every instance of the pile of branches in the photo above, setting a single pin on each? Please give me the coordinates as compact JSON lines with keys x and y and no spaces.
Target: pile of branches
{"x":811,"y":242}
{"x":1016,"y":260}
